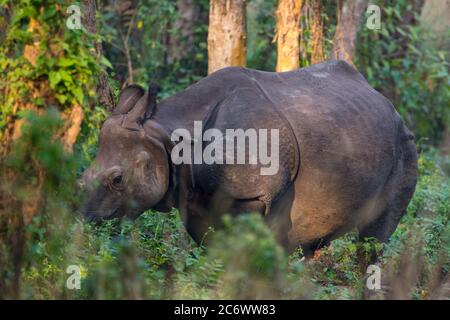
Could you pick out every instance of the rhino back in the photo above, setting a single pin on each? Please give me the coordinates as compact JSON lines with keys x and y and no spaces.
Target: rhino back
{"x":345,"y":130}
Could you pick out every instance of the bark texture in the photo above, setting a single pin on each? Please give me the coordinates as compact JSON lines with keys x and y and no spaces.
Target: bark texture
{"x":13,"y":128}
{"x":104,"y":91}
{"x":227,"y":34}
{"x":317,"y":54}
{"x":348,"y":18}
{"x":287,"y":34}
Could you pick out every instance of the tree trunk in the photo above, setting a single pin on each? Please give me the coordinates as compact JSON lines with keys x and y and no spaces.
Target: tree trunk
{"x":348,"y":17}
{"x":435,"y":16}
{"x":13,"y":126}
{"x":317,"y":54}
{"x":182,"y":42}
{"x":104,"y":91}
{"x":227,"y":34}
{"x":287,"y":34}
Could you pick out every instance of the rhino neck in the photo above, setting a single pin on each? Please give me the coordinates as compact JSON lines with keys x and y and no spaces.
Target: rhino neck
{"x":181,"y":180}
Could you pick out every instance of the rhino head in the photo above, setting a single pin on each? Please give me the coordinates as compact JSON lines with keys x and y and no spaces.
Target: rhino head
{"x":132,"y":171}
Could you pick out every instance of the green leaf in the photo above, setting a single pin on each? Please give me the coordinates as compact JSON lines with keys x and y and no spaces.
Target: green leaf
{"x":78,"y":93}
{"x":55,"y":78}
{"x":62,"y":98}
{"x":104,"y":61}
{"x":66,"y":76}
{"x":66,"y":62}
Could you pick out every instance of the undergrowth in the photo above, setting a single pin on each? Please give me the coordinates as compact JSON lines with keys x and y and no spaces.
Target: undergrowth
{"x":153,"y":257}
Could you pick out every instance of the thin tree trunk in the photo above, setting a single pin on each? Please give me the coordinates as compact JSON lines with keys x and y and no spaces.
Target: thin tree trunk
{"x":182,"y":42}
{"x":287,"y":34}
{"x":104,"y":90}
{"x":126,"y":48}
{"x":317,"y":54}
{"x":227,"y":34}
{"x":74,"y":127}
{"x":348,"y":18}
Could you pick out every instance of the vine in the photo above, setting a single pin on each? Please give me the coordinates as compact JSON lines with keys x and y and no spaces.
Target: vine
{"x":45,"y":64}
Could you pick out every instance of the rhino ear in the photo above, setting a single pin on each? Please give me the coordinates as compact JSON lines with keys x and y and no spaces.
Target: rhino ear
{"x":128,"y":98}
{"x":143,"y":109}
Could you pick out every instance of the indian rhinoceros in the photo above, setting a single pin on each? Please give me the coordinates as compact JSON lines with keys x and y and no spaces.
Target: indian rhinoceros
{"x":346,"y":160}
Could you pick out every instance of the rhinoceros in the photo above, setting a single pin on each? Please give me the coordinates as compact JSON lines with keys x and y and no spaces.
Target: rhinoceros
{"x":346,"y":159}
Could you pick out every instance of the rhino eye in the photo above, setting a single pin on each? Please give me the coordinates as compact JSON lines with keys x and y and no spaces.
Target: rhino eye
{"x":117,"y":180}
{"x":117,"y":183}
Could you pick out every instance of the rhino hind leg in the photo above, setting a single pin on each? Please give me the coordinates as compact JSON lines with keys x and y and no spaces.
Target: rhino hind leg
{"x":310,"y":248}
{"x":383,"y":227}
{"x":400,"y":190}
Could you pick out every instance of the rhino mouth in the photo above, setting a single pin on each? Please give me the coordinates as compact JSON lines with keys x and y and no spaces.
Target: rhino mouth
{"x":93,"y":217}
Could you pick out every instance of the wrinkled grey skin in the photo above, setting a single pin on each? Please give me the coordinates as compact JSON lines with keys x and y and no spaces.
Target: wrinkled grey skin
{"x":346,"y":159}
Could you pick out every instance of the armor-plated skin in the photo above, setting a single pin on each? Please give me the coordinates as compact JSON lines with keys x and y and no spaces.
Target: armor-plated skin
{"x":346,"y":159}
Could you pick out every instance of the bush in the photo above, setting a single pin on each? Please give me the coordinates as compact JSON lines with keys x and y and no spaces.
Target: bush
{"x":400,"y":62}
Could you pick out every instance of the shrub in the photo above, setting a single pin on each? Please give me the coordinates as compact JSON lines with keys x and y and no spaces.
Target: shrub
{"x":400,"y":62}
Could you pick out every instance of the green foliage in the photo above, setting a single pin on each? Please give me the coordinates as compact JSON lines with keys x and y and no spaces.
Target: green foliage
{"x":33,"y":154}
{"x":44,"y":63}
{"x":150,"y":28}
{"x":37,"y":197}
{"x":261,"y":49}
{"x":401,"y":63}
{"x":428,"y":217}
{"x":88,"y":139}
{"x":256,"y":264}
